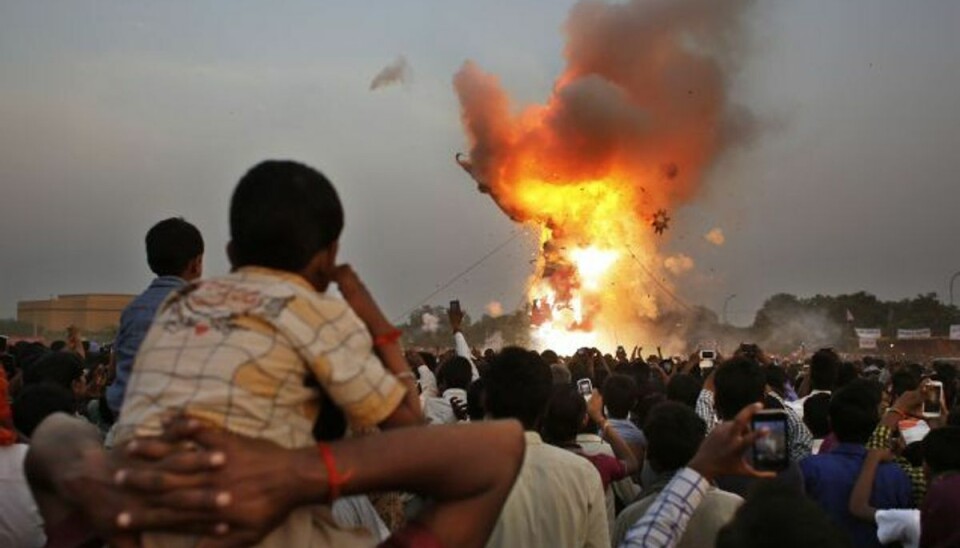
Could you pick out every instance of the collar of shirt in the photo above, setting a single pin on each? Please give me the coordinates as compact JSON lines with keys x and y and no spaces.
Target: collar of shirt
{"x":854,"y":449}
{"x":168,"y":281}
{"x":589,"y":438}
{"x":284,"y":275}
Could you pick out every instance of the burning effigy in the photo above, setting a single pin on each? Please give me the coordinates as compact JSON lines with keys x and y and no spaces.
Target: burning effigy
{"x":640,"y":113}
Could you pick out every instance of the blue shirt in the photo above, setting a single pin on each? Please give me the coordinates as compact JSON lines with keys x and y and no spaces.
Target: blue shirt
{"x":829,"y":480}
{"x":134,"y":323}
{"x":628,"y":431}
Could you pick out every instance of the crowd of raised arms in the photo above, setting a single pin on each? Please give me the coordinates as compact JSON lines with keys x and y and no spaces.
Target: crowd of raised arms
{"x":256,"y":407}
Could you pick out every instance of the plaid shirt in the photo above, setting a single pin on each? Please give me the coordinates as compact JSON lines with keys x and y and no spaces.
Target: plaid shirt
{"x":882,"y":438}
{"x":666,"y":520}
{"x":801,"y":440}
{"x":705,"y":409}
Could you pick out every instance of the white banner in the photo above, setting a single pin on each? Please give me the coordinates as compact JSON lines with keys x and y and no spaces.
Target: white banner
{"x":955,"y":332}
{"x":868,"y":333}
{"x":868,"y":343}
{"x":913,"y":333}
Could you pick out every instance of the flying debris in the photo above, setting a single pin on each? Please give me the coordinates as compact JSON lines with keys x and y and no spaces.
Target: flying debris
{"x":661,"y":221}
{"x":464,"y":162}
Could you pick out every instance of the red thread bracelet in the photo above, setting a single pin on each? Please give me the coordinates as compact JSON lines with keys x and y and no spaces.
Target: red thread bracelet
{"x":335,"y":480}
{"x":389,"y":337}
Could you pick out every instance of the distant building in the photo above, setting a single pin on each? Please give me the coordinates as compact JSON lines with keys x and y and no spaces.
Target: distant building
{"x":89,"y":312}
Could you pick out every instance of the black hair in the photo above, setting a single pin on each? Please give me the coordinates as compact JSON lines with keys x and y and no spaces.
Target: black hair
{"x":563,"y":416}
{"x":846,"y":373}
{"x":518,"y":386}
{"x":776,"y":378}
{"x":684,"y":388}
{"x":738,"y":383}
{"x":774,"y":516}
{"x":429,"y":360}
{"x":824,"y":369}
{"x":549,"y":357}
{"x":816,"y":414}
{"x":674,"y":432}
{"x":903,"y":381}
{"x":171,"y":245}
{"x":620,"y":395}
{"x":455,"y":373}
{"x":282,"y":214}
{"x":59,"y":368}
{"x":475,"y":398}
{"x":941,"y":449}
{"x":37,"y":402}
{"x":853,"y":411}
{"x":58,"y":345}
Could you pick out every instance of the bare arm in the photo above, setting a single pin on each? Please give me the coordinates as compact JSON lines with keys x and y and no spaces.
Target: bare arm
{"x":620,"y":447}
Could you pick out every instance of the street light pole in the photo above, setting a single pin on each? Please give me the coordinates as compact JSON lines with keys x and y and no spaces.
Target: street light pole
{"x":726,"y":302}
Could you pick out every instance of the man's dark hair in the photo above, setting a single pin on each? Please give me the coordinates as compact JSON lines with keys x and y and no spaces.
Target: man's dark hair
{"x":674,"y":432}
{"x":59,"y":368}
{"x":171,"y":245}
{"x":518,"y":386}
{"x":455,"y":373}
{"x":549,"y":357}
{"x":776,"y":378}
{"x":774,"y":515}
{"x":941,"y":449}
{"x":429,"y":360}
{"x":37,"y":402}
{"x":58,"y":345}
{"x":685,"y":389}
{"x":738,"y":383}
{"x":282,"y":214}
{"x":816,"y":414}
{"x":620,"y":395}
{"x":563,"y":416}
{"x":824,"y":369}
{"x":903,"y":381}
{"x":853,"y":411}
{"x":846,"y":373}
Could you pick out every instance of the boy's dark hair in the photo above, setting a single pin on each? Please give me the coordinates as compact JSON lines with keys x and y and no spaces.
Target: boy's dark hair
{"x":37,"y":402}
{"x":563,"y":415}
{"x":774,"y":515}
{"x":282,"y":214}
{"x":620,"y":395}
{"x":171,"y":245}
{"x":674,"y":432}
{"x":824,"y":369}
{"x":475,"y":399}
{"x":518,"y":386}
{"x":59,"y":368}
{"x":853,"y":411}
{"x":738,"y":383}
{"x":903,"y":381}
{"x":816,"y":414}
{"x":941,"y":449}
{"x":456,"y":373}
{"x":685,"y":389}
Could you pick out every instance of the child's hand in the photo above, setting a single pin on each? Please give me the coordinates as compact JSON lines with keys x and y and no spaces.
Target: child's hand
{"x":360,"y":300}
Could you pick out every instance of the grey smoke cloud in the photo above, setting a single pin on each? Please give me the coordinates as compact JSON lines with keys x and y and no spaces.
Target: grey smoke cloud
{"x":397,"y":72}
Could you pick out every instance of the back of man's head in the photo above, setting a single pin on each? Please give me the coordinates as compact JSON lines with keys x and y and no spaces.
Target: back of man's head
{"x":738,"y":383}
{"x":776,"y":516}
{"x":903,"y":381}
{"x":684,"y":388}
{"x":60,"y":368}
{"x":853,"y":411}
{"x":549,"y":357}
{"x":456,"y":373}
{"x":941,"y":450}
{"x":517,"y":385}
{"x":776,"y":378}
{"x":281,"y":215}
{"x":171,"y":245}
{"x":824,"y":369}
{"x":674,"y":432}
{"x":816,"y":414}
{"x":564,"y":415}
{"x":38,"y":401}
{"x":620,"y":395}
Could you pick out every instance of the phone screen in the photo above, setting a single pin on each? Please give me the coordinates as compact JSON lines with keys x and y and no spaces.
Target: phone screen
{"x":708,"y":355}
{"x":931,"y":399}
{"x":771,"y":452}
{"x":585,"y":387}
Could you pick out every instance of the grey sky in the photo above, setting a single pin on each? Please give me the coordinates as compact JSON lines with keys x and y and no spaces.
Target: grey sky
{"x":114,"y":115}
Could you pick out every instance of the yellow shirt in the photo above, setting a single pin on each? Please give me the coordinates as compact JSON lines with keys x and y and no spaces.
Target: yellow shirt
{"x":242,"y":350}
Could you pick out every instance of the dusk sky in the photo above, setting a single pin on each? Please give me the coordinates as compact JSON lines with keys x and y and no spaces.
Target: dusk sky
{"x":114,"y":115}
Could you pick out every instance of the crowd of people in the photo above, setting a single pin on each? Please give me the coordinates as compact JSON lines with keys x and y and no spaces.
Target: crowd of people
{"x":257,"y":408}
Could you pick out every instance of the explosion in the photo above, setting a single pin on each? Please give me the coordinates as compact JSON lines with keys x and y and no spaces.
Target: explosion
{"x":636,"y":119}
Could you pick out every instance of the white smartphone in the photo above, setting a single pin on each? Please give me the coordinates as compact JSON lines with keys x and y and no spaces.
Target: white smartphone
{"x":585,"y":387}
{"x":932,"y":396}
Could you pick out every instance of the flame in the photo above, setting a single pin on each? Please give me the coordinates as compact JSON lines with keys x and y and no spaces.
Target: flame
{"x":631,"y":126}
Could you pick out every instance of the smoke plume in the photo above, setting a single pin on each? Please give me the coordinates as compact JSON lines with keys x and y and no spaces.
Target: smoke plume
{"x":430,"y":322}
{"x":397,"y":72}
{"x":678,"y":264}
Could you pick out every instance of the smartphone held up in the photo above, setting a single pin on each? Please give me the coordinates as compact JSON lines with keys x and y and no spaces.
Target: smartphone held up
{"x":771,"y":452}
{"x":932,"y":398}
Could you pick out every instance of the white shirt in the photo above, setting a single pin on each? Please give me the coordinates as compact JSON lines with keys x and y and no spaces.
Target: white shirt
{"x":557,"y":500}
{"x":440,"y":410}
{"x":20,"y":521}
{"x":358,"y":512}
{"x":901,"y":526}
{"x":463,"y":350}
{"x":797,"y":405}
